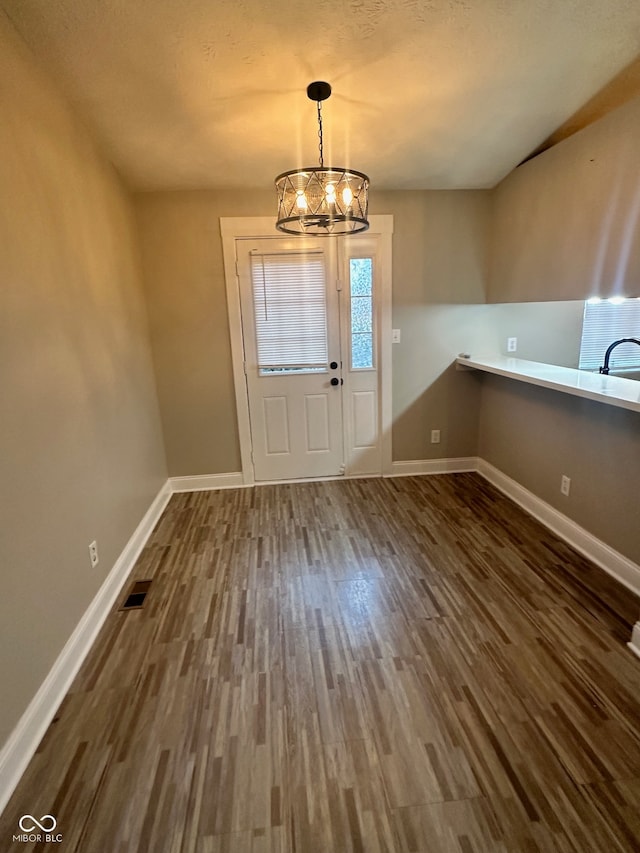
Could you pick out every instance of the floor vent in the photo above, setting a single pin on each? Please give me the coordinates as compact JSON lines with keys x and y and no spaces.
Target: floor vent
{"x":137,"y":594}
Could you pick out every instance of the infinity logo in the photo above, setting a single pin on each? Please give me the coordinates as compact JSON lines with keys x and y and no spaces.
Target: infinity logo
{"x":47,"y":823}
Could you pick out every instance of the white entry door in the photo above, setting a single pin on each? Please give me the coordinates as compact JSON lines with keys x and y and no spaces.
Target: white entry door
{"x":311,"y":334}
{"x":291,"y":328}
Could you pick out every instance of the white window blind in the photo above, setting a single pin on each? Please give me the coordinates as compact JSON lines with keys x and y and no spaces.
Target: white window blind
{"x":605,"y":322}
{"x":290,"y":309}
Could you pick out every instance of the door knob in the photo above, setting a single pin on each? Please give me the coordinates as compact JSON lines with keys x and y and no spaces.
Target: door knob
{"x":335,"y":381}
{"x":334,"y":365}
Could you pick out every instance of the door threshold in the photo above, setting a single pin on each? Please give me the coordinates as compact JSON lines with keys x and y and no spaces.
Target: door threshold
{"x":316,"y":479}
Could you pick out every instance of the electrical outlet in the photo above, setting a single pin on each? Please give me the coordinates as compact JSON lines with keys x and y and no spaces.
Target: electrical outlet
{"x":93,"y":554}
{"x":395,"y":336}
{"x":512,"y":344}
{"x":565,"y":485}
{"x":435,"y":436}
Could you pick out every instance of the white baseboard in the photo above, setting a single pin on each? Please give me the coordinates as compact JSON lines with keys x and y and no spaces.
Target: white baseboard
{"x":23,"y":741}
{"x":234,"y":480}
{"x":457,"y":465}
{"x":617,"y":565}
{"x":212,"y":482}
{"x":205,"y":482}
{"x":634,"y":643}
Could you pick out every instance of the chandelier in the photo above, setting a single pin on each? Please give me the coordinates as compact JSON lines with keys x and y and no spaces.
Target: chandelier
{"x":322,"y":200}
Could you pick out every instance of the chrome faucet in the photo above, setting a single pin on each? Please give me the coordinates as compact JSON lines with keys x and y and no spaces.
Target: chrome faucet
{"x":605,"y":367}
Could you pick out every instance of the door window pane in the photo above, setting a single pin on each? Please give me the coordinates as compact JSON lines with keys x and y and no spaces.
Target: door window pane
{"x":361,"y":294}
{"x":290,"y":309}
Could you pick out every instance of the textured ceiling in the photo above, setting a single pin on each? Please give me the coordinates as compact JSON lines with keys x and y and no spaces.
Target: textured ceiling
{"x":426,"y":93}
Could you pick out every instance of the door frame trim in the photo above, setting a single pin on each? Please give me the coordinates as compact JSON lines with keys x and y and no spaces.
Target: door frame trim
{"x":233,"y":228}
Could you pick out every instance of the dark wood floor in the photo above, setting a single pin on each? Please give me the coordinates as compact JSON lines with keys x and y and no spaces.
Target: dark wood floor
{"x":369,"y":665}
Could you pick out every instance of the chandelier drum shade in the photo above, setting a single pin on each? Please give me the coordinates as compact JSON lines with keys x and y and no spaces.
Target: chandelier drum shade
{"x":322,"y":200}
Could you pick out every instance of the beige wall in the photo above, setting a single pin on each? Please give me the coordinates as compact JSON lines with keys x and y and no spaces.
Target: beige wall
{"x":82,"y":453}
{"x":439,"y":279}
{"x":550,"y":332}
{"x":186,"y":298}
{"x":566,"y":224}
{"x":535,"y":435}
{"x":439,"y":267}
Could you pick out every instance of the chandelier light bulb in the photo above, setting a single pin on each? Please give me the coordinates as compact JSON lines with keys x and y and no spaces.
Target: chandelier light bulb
{"x":301,"y":200}
{"x":347,"y":196}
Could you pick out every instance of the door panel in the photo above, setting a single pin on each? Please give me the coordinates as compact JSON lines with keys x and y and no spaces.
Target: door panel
{"x":316,"y":412}
{"x":365,"y":419}
{"x":276,"y":425}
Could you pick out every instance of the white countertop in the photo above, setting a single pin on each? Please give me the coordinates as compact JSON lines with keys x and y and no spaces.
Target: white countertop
{"x":612,"y":390}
